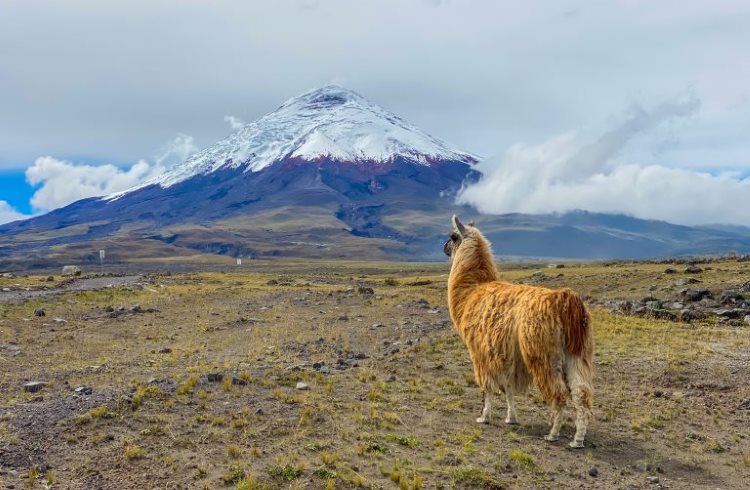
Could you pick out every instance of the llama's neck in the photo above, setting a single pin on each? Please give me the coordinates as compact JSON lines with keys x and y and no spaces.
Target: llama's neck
{"x":473,"y":265}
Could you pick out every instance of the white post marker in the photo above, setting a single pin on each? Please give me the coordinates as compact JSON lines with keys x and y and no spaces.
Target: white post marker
{"x":239,"y":261}
{"x":101,"y":261}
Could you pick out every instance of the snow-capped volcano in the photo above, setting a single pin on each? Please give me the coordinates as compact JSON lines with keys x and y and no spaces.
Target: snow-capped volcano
{"x":330,"y":123}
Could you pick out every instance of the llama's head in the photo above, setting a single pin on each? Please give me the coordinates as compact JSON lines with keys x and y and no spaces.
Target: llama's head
{"x":457,"y":236}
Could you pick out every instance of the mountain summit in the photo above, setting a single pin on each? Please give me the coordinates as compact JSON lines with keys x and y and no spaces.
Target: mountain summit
{"x":318,"y":176}
{"x":327,"y":124}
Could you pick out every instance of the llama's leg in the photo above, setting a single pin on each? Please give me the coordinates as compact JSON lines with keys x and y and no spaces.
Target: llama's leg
{"x":511,"y":417}
{"x":581,"y":393}
{"x":556,"y":419}
{"x":485,"y":417}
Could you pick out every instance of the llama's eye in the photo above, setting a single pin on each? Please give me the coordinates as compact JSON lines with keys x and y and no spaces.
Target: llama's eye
{"x":454,"y":236}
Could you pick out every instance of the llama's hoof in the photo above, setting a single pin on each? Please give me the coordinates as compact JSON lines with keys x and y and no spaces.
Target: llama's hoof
{"x":576,"y":444}
{"x":551,"y":438}
{"x":511,"y":421}
{"x":483,"y":420}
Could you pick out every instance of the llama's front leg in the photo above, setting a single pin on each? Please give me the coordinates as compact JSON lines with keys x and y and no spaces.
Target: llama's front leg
{"x":485,"y":417}
{"x":554,"y":433}
{"x":511,"y":416}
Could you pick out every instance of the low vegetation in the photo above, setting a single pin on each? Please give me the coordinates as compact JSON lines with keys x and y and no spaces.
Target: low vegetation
{"x":349,"y":375}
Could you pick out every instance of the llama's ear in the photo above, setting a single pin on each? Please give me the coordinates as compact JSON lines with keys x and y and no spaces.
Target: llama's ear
{"x":458,"y":226}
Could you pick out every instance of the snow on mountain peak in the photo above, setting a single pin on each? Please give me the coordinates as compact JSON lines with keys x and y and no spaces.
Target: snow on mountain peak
{"x":331,"y":123}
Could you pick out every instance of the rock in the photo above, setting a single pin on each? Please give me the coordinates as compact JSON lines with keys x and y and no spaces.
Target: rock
{"x":391,"y":378}
{"x":39,"y":312}
{"x":643,"y":466}
{"x":34,"y":386}
{"x":653,"y":480}
{"x":693,"y":269}
{"x":377,"y":325}
{"x":165,"y":350}
{"x":8,"y":275}
{"x":669,"y":270}
{"x":71,"y":270}
{"x":686,"y":280}
{"x":730,"y":296}
{"x":135,"y":309}
{"x":690,"y":294}
{"x":677,"y":305}
{"x":259,"y":411}
{"x":747,"y":319}
{"x":745,"y":288}
{"x":236,"y":380}
{"x":730,"y":313}
{"x":215,"y":377}
{"x":302,"y":386}
{"x":317,"y":365}
{"x":50,"y":278}
{"x":59,"y":320}
{"x":594,"y":472}
{"x":365,"y":290}
{"x":654,"y":305}
{"x":689,"y":315}
{"x":325,"y":370}
{"x":83,"y":390}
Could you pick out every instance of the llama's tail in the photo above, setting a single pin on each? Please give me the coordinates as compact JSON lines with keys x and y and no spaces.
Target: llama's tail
{"x":580,"y":357}
{"x":576,"y":323}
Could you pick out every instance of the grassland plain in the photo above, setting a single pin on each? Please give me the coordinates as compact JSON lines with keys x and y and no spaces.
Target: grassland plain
{"x":289,"y":374}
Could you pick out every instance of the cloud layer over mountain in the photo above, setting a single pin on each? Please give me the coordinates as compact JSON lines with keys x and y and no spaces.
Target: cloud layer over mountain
{"x":567,"y":173}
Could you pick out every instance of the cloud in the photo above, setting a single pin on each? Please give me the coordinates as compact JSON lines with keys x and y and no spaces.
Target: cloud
{"x":234,"y":122}
{"x":62,"y":182}
{"x":565,"y":174}
{"x":8,"y":214}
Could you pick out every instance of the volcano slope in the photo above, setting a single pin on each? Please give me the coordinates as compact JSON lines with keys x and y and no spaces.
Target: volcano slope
{"x":195,"y":383}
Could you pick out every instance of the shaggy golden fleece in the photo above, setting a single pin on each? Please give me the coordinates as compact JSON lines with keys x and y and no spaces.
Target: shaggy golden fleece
{"x":518,"y":334}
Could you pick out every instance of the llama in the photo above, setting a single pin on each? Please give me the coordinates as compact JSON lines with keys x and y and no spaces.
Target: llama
{"x":517,"y":334}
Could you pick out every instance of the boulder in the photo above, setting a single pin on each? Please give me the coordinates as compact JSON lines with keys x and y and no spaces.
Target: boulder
{"x":686,"y":280}
{"x":71,"y":270}
{"x":693,"y":269}
{"x":34,"y":386}
{"x":747,"y":319}
{"x":690,"y":294}
{"x":730,"y":296}
{"x":731,"y":313}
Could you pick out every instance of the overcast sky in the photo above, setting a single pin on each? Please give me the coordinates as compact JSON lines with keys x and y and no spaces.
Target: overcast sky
{"x":118,"y":82}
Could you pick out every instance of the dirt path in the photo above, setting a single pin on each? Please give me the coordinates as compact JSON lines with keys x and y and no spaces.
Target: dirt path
{"x":85,"y":284}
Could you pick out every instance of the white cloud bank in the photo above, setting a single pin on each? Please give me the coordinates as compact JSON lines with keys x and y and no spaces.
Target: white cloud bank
{"x":234,"y":122}
{"x":62,"y":182}
{"x":8,"y":213}
{"x":565,"y":174}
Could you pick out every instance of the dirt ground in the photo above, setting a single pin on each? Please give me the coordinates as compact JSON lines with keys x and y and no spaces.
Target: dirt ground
{"x":345,"y":375}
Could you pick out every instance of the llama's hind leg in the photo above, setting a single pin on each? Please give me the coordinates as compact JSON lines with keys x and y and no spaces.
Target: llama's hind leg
{"x":581,"y":393}
{"x":556,"y":419}
{"x":511,"y":417}
{"x":485,"y":417}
